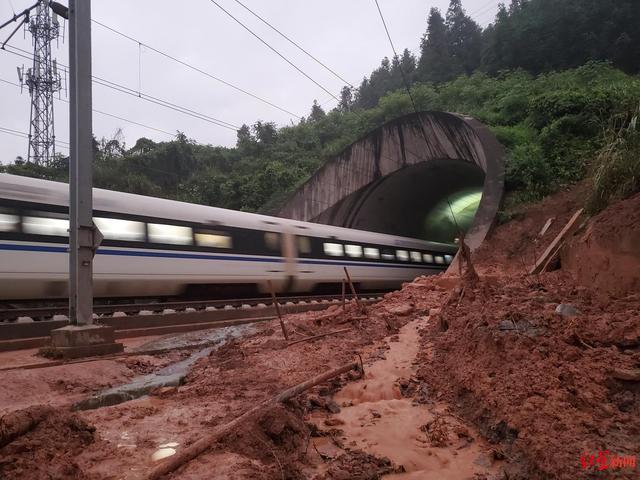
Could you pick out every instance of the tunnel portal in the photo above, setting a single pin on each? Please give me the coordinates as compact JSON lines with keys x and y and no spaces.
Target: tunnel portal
{"x":423,"y":175}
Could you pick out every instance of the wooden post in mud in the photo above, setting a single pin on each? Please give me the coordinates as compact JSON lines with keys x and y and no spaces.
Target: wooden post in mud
{"x":344,"y":300}
{"x":275,"y":304}
{"x":353,"y":291}
{"x":470,"y":275}
{"x":203,"y":444}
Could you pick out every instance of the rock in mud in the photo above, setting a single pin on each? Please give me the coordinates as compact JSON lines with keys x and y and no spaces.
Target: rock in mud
{"x":401,"y":310}
{"x":566,"y":310}
{"x":507,"y":325}
{"x":317,"y":401}
{"x":333,"y":407}
{"x":333,"y":422}
{"x":626,"y":374}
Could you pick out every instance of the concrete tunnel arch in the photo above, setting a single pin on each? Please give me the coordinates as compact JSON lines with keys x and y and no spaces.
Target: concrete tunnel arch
{"x":391,"y":180}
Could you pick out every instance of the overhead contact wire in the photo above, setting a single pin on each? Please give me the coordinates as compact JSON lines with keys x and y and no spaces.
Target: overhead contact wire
{"x":273,"y":49}
{"x":293,"y":43}
{"x":196,"y":69}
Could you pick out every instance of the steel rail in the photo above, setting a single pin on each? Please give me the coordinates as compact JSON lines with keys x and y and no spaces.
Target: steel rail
{"x":101,"y":309}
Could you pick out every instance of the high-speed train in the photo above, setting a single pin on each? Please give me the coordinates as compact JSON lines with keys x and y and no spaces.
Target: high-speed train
{"x":161,"y":248}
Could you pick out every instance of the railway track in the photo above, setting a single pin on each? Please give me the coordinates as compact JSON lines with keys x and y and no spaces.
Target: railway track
{"x":48,"y":312}
{"x":138,"y":320}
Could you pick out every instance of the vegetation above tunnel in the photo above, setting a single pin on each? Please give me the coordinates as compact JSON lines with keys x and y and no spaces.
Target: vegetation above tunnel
{"x":554,"y":80}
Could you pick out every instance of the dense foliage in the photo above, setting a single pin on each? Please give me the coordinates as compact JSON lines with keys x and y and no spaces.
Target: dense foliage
{"x":521,"y":75}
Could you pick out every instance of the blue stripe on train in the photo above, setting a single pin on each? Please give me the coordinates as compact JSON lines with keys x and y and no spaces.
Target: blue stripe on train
{"x":193,"y":256}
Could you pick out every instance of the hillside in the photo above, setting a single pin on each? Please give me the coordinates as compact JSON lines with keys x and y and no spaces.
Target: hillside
{"x":552,"y":94}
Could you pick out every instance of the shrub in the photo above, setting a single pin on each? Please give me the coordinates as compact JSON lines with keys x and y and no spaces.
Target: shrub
{"x":616,"y":170}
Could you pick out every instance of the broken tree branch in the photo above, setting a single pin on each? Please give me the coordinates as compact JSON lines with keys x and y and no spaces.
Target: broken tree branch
{"x":206,"y":442}
{"x":16,"y":424}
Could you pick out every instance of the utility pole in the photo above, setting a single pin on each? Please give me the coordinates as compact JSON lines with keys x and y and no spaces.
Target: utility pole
{"x":81,"y":337}
{"x":83,"y":235}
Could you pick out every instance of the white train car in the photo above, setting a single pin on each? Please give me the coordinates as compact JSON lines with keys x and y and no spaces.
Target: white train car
{"x":154,"y":247}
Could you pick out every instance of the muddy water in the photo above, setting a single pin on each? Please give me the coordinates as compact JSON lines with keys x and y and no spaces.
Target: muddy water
{"x":379,"y":420}
{"x":171,"y":375}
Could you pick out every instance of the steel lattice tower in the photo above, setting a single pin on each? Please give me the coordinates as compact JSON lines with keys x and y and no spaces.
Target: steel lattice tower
{"x":43,"y":81}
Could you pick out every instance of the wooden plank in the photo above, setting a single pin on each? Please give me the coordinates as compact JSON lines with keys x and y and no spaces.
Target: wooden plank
{"x":544,"y":258}
{"x":546,"y":226}
{"x":552,"y":257}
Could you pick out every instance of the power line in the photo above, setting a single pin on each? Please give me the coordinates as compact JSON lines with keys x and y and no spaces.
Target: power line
{"x":272,"y":49}
{"x":18,"y":132}
{"x":24,"y":135}
{"x":164,"y":103}
{"x":135,"y":93}
{"x":292,"y":42}
{"x":405,"y":82}
{"x":194,"y":68}
{"x":107,"y":114}
{"x":14,"y":132}
{"x":404,"y":78}
{"x":490,"y":4}
{"x":10,"y":83}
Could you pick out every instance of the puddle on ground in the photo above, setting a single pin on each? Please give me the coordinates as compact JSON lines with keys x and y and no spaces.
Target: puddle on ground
{"x":376,"y":418}
{"x":169,"y":376}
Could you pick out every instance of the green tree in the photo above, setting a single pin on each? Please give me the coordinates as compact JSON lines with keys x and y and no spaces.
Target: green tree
{"x":464,"y":38}
{"x":317,"y":113}
{"x":346,"y":99}
{"x":436,"y":63}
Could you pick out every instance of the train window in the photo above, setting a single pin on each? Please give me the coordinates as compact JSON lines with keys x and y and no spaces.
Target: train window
{"x":9,"y":222}
{"x":448,"y":258}
{"x":416,"y":257}
{"x":117,"y":229}
{"x":58,"y":227}
{"x":439,"y":259}
{"x":353,"y":250}
{"x":304,"y":244}
{"x":173,"y":234}
{"x":388,"y":255}
{"x":370,"y":252}
{"x":333,"y":249}
{"x":427,"y":257}
{"x":402,"y":255}
{"x":272,"y":241}
{"x":213,"y":239}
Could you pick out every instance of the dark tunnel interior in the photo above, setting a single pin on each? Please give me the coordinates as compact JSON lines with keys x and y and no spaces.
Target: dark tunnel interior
{"x":430,"y":200}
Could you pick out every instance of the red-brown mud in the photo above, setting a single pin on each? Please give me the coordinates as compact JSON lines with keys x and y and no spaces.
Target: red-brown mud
{"x":49,"y":450}
{"x":448,"y":367}
{"x":548,"y":389}
{"x":606,"y":254}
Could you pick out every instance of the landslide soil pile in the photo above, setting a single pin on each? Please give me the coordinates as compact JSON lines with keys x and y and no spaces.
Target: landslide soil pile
{"x":606,"y":255}
{"x":547,"y":384}
{"x":547,"y":388}
{"x":513,"y":247}
{"x":49,"y":449}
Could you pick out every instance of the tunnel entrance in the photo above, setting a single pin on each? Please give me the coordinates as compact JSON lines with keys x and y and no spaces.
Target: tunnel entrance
{"x":428,"y":200}
{"x":406,"y":177}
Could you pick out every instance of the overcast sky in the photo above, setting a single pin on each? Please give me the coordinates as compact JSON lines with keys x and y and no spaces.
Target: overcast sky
{"x":346,"y":35}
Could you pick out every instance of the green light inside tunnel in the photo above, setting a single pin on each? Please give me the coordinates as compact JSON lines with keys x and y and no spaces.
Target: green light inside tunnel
{"x":454,"y":212}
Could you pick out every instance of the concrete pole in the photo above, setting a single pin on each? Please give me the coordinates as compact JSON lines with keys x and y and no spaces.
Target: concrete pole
{"x":81,"y":236}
